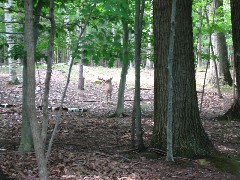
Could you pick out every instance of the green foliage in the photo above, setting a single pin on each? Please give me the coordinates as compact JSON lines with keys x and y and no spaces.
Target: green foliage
{"x":103,"y":38}
{"x":219,"y":21}
{"x":17,"y":52}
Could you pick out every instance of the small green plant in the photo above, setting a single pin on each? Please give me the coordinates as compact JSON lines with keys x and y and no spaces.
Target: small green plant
{"x":97,"y":82}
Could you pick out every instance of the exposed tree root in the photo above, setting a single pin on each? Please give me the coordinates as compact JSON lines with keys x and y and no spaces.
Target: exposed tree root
{"x":233,"y":113}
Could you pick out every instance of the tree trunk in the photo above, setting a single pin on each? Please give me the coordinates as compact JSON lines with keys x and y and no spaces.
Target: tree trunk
{"x":48,"y":73}
{"x":199,"y":39}
{"x":189,"y":137}
{"x":234,"y":113}
{"x":170,"y":84}
{"x":214,"y":65}
{"x":68,"y":40}
{"x":137,"y":107}
{"x":26,"y":142}
{"x":31,"y":84}
{"x":149,"y":62}
{"x":224,"y":68}
{"x":220,"y":47}
{"x":8,"y":25}
{"x":125,"y":63}
{"x":81,"y":78}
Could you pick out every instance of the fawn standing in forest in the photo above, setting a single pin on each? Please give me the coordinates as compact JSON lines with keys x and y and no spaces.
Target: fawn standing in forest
{"x":108,"y":87}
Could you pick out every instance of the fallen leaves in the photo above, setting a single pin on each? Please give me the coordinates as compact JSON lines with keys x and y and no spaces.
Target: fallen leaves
{"x":91,"y":146}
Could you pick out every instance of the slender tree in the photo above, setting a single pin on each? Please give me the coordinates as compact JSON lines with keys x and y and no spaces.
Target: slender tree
{"x":189,"y":137}
{"x":214,"y":79}
{"x":170,"y":84}
{"x":139,"y":10}
{"x":125,"y":63}
{"x":48,"y":72}
{"x":80,"y":65}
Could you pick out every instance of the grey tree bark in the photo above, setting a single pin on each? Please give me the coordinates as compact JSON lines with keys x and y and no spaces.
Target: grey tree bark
{"x":233,"y":113}
{"x":8,"y":26}
{"x":170,"y":85}
{"x":125,"y":64}
{"x":81,"y":77}
{"x":199,"y":39}
{"x":189,"y":137}
{"x":48,"y":73}
{"x":220,"y":50}
{"x":31,"y":84}
{"x":139,"y":11}
{"x":149,"y":62}
{"x":26,"y":141}
{"x":214,"y":66}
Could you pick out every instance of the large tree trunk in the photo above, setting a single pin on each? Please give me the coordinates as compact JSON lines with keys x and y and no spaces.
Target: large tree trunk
{"x":224,"y":68}
{"x":220,"y":48}
{"x":26,"y":142}
{"x":8,"y":26}
{"x":189,"y":137}
{"x":234,"y":113}
{"x":31,"y":84}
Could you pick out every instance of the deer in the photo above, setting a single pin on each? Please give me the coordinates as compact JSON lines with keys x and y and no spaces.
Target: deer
{"x":108,"y":87}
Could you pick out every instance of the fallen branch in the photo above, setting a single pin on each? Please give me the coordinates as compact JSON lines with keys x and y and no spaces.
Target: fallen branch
{"x":64,"y":109}
{"x":7,"y":105}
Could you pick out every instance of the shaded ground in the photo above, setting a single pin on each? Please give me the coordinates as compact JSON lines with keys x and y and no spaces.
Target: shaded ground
{"x":92,"y":146}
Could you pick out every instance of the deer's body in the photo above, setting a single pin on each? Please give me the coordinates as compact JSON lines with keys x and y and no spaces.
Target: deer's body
{"x":108,"y":87}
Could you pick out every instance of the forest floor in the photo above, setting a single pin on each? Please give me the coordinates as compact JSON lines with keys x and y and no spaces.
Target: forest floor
{"x":91,"y":145}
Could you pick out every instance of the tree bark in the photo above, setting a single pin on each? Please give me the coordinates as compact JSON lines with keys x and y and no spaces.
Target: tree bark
{"x":68,"y":40}
{"x":26,"y":142}
{"x":81,"y":78}
{"x":48,"y":73}
{"x":220,"y":48}
{"x":31,"y":84}
{"x":170,"y":85}
{"x":139,"y":10}
{"x":125,"y":63}
{"x":189,"y":137}
{"x":8,"y":25}
{"x":149,"y":61}
{"x":234,"y":113}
